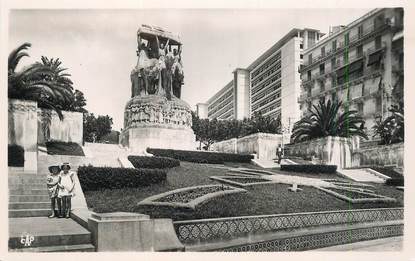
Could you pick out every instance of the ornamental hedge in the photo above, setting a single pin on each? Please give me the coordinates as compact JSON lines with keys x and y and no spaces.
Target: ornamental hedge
{"x":201,"y":156}
{"x":153,"y":162}
{"x":15,"y":156}
{"x":310,"y":168}
{"x":97,"y":178}
{"x":64,"y":148}
{"x":395,"y":182}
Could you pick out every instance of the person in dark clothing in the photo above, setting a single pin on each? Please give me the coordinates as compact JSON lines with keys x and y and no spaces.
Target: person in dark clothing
{"x":279,"y":153}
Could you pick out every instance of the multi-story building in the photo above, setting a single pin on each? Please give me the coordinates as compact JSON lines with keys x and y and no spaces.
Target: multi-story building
{"x":360,"y":64}
{"x":269,"y":85}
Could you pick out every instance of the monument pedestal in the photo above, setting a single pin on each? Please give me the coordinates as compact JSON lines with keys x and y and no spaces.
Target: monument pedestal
{"x":153,"y":121}
{"x":139,"y":139}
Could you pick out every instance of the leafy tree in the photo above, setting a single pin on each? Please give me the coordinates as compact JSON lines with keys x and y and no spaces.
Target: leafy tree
{"x":326,"y":119}
{"x":392,"y":129}
{"x":95,"y":128}
{"x":211,"y":131}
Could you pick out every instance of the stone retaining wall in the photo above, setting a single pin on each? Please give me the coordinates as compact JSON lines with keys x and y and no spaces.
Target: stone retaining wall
{"x":380,"y":155}
{"x":264,"y":145}
{"x":329,"y":150}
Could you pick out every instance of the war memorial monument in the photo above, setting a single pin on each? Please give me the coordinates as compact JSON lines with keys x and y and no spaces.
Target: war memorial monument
{"x":155,"y":116}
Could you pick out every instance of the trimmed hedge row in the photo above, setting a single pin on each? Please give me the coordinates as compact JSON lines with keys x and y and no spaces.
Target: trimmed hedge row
{"x":96,"y":178}
{"x":64,"y":148}
{"x":310,"y":168}
{"x":395,"y":182}
{"x":15,"y":156}
{"x":201,"y":156}
{"x":153,"y":162}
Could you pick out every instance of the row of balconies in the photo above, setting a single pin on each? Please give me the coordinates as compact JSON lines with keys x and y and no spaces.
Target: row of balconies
{"x":340,"y":64}
{"x":369,"y":74}
{"x":342,"y":45}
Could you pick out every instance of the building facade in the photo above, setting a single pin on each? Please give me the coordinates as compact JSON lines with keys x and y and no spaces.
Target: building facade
{"x":360,"y":64}
{"x":269,"y":85}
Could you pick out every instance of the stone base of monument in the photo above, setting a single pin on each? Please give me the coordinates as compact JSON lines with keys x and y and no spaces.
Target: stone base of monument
{"x":139,"y":139}
{"x":153,"y":121}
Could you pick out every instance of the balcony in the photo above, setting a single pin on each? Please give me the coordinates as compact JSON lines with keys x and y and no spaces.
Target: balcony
{"x":352,"y":58}
{"x":353,"y":40}
{"x":374,"y":49}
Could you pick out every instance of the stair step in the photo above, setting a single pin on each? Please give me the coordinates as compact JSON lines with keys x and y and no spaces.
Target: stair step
{"x":29,"y":205}
{"x":64,"y":248}
{"x":28,"y":191}
{"x":46,"y":232}
{"x":18,"y":213}
{"x":28,"y":186}
{"x":28,"y":198}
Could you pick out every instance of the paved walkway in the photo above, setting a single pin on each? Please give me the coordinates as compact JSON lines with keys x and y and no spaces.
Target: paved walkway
{"x":383,"y":244}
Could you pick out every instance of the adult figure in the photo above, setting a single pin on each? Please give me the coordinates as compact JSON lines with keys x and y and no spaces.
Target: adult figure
{"x":177,"y":73}
{"x":163,"y":75}
{"x":279,"y":153}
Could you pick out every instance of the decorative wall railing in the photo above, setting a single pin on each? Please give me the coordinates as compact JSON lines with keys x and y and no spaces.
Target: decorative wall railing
{"x":204,"y":230}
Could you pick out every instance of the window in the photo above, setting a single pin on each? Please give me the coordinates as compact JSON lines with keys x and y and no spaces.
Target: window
{"x":378,"y":42}
{"x":360,"y":108}
{"x":322,"y":87}
{"x":345,"y":57}
{"x":333,"y":81}
{"x":310,"y":58}
{"x":309,"y":75}
{"x":322,"y":69}
{"x":334,"y":45}
{"x":379,"y":21}
{"x":359,"y":51}
{"x":301,"y":46}
{"x":378,"y":104}
{"x":333,"y":97}
{"x":301,"y":56}
{"x":346,"y":39}
{"x":333,"y":63}
{"x":360,"y":31}
{"x":323,"y":51}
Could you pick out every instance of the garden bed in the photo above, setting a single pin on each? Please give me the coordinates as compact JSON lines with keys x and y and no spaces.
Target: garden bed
{"x":153,"y":162}
{"x":64,"y":148}
{"x":189,"y":197}
{"x":310,"y":168}
{"x":354,"y":197}
{"x":241,"y":181}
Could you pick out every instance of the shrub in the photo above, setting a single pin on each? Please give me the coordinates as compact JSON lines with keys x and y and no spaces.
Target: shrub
{"x":64,"y":148}
{"x":309,"y":168}
{"x":15,"y":156}
{"x":201,"y":156}
{"x":96,"y":178}
{"x":395,"y":182}
{"x":153,"y":162}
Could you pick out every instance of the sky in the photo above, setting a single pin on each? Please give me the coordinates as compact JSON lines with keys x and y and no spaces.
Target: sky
{"x":98,"y":46}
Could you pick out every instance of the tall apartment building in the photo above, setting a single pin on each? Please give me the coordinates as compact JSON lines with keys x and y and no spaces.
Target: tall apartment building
{"x":270,"y":84}
{"x":360,"y":64}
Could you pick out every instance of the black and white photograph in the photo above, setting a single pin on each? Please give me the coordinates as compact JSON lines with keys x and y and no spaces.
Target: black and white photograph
{"x":205,"y":129}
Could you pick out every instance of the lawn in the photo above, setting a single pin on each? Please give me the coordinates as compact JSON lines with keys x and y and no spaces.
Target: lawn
{"x":259,"y":200}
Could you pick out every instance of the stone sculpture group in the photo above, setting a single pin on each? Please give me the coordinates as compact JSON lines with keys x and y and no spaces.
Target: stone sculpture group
{"x":159,"y":68}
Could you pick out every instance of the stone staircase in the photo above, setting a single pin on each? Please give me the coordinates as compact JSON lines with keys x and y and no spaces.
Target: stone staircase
{"x":362,"y":175}
{"x":29,"y":206}
{"x":28,"y":196}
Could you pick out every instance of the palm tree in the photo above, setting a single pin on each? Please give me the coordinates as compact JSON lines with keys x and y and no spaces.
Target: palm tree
{"x":36,"y":82}
{"x":326,"y":119}
{"x":391,"y":130}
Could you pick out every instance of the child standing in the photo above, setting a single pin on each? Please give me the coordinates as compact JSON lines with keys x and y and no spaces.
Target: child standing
{"x":66,"y":189}
{"x":52,"y":182}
